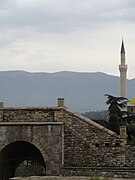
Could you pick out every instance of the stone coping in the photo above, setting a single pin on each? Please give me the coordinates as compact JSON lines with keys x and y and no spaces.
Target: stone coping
{"x":32,"y":108}
{"x":30,"y":123}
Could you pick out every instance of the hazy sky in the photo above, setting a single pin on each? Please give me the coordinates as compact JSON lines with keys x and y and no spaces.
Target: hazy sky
{"x":71,"y":35}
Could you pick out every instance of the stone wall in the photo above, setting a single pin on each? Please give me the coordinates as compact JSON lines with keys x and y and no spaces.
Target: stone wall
{"x":86,"y":143}
{"x":130,"y":155}
{"x":27,"y":115}
{"x":109,"y":172}
{"x":70,"y":143}
{"x":89,"y":144}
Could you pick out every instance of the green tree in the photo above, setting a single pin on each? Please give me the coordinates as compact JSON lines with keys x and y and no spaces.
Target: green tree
{"x":96,"y":115}
{"x":116,"y":111}
{"x":131,"y":134}
{"x":30,"y":168}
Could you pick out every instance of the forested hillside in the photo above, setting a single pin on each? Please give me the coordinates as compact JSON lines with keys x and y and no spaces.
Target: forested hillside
{"x":83,"y":92}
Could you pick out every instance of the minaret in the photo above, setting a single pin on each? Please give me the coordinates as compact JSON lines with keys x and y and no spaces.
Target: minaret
{"x":123,"y":72}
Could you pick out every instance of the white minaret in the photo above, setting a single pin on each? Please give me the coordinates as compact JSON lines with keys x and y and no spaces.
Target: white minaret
{"x":123,"y":73}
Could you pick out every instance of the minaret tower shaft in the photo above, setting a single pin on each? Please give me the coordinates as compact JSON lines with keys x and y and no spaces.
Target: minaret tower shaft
{"x":123,"y":72}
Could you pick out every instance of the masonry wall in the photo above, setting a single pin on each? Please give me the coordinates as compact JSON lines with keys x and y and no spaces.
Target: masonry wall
{"x":130,"y":155}
{"x":86,"y":144}
{"x":109,"y":172}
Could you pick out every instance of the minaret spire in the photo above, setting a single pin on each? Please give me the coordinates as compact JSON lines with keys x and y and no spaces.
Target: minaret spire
{"x":123,"y":72}
{"x":122,"y":47}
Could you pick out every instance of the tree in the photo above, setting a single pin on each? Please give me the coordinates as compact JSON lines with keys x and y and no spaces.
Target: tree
{"x":129,"y":122}
{"x":116,"y":111}
{"x":30,"y":168}
{"x":96,"y":115}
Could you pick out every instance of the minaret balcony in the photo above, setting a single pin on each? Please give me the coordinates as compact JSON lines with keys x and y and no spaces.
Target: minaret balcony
{"x":123,"y":67}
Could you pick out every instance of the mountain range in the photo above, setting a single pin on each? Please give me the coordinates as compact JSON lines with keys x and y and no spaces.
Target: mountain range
{"x":82,"y":91}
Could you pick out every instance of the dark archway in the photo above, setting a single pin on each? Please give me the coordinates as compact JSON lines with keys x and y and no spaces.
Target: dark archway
{"x":14,"y":154}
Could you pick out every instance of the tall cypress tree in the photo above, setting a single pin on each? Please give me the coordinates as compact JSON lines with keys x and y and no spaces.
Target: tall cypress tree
{"x":116,"y":106}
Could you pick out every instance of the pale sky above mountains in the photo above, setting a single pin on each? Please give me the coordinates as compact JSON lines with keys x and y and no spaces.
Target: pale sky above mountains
{"x":66,"y":35}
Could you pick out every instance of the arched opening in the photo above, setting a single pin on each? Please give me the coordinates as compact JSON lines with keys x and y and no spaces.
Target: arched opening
{"x":18,"y":156}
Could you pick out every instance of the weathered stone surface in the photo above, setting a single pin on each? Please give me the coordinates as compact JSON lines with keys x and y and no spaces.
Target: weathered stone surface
{"x":66,"y":140}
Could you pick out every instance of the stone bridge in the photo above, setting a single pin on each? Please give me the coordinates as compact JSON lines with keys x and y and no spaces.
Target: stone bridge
{"x":64,"y":142}
{"x":30,"y":134}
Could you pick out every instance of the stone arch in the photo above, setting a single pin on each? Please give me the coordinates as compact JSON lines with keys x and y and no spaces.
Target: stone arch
{"x":46,"y":137}
{"x":14,"y":153}
{"x":42,"y":146}
{"x":38,"y":143}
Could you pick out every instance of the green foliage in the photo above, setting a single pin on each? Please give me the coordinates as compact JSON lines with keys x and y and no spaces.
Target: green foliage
{"x":97,"y":178}
{"x":131,"y":134}
{"x":29,"y":168}
{"x":99,"y":117}
{"x":115,"y":116}
{"x":116,"y":113}
{"x":96,"y":115}
{"x":129,"y":118}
